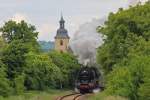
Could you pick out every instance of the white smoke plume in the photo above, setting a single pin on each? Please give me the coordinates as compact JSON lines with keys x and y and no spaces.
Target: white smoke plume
{"x":86,"y":40}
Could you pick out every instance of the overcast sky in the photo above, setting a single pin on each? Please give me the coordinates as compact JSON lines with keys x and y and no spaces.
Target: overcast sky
{"x":45,"y":14}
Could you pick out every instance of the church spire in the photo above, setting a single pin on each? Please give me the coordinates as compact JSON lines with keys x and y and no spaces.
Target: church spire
{"x":62,"y":16}
{"x":62,"y":22}
{"x":62,"y":37}
{"x":62,"y":32}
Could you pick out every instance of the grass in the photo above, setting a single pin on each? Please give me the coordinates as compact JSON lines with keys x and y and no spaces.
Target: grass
{"x":37,"y":95}
{"x":103,"y":96}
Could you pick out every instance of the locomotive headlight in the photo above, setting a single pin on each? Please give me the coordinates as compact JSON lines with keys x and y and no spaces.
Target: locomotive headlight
{"x":92,"y":81}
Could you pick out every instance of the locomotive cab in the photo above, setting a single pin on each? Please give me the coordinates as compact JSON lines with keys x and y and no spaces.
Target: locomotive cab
{"x":87,"y":79}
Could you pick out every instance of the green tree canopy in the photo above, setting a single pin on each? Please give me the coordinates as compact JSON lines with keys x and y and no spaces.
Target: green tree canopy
{"x":13,"y":57}
{"x":5,"y":88}
{"x":68,"y":65}
{"x":122,"y":30}
{"x":17,"y":40}
{"x":2,"y":45}
{"x":125,"y":55}
{"x":20,"y":31}
{"x":41,"y":73}
{"x":130,"y":79}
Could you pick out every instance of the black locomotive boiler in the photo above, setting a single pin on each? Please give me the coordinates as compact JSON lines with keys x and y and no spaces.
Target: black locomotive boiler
{"x":87,"y":80}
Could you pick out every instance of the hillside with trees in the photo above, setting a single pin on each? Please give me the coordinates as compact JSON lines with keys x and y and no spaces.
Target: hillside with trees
{"x":125,"y":55}
{"x":46,"y":46}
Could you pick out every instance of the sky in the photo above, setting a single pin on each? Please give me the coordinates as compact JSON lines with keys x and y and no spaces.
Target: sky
{"x":45,"y":14}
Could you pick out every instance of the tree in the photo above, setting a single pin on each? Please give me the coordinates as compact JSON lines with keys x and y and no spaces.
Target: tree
{"x":125,"y":55}
{"x":2,"y":45}
{"x":20,"y":39}
{"x":18,"y":84}
{"x":68,"y":65}
{"x":125,"y":79}
{"x":40,"y":72}
{"x":120,"y":82}
{"x":13,"y":57}
{"x":122,"y":30}
{"x":144,"y":90}
{"x":20,"y":31}
{"x":5,"y":88}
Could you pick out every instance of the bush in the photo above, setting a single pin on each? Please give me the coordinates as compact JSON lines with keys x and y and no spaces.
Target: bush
{"x":120,"y":82}
{"x":5,"y":88}
{"x":125,"y":81}
{"x":144,"y":90}
{"x":40,"y":72}
{"x":19,"y":84}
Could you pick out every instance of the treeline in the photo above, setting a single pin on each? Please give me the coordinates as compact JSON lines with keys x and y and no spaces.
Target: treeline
{"x":125,"y":55}
{"x":24,"y":67}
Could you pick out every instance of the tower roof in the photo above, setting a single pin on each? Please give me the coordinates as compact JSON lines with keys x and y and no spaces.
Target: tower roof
{"x":62,"y":19}
{"x":62,"y":32}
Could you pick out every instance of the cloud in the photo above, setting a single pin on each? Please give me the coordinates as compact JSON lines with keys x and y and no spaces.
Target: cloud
{"x":18,"y":17}
{"x":143,"y":1}
{"x":134,"y":2}
{"x":46,"y":32}
{"x":44,"y":14}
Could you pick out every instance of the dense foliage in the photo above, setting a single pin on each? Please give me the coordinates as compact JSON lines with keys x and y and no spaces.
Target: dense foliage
{"x":24,"y":67}
{"x":4,"y":82}
{"x":125,"y":55}
{"x":41,"y":73}
{"x":68,"y":66}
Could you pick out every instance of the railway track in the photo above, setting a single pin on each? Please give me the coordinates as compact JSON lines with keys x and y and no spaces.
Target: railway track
{"x":73,"y":96}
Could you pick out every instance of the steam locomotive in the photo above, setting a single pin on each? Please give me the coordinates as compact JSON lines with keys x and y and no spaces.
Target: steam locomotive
{"x":87,"y":80}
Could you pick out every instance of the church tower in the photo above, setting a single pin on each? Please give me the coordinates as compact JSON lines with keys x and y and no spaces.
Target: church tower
{"x":62,"y":38}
